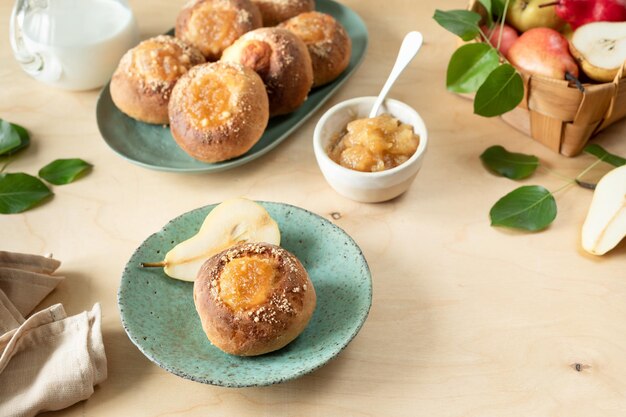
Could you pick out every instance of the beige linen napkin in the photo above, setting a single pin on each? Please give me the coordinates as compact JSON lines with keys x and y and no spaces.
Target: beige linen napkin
{"x":48,"y":361}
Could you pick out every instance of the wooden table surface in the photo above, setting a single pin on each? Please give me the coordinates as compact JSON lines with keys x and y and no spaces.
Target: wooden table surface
{"x":466,"y":320}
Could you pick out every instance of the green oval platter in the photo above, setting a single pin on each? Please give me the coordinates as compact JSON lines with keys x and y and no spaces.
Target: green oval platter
{"x":152,"y":146}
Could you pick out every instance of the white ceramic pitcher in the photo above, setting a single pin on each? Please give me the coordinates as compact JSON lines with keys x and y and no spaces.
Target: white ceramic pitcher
{"x":71,"y":44}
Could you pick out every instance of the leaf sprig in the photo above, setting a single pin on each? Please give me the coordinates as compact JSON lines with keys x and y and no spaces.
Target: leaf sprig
{"x":532,"y":207}
{"x":480,"y":67}
{"x":20,"y":191}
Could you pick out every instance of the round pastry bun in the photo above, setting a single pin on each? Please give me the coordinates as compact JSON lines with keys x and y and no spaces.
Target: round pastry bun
{"x":218,"y":111}
{"x":275,"y":11}
{"x":328,"y":42}
{"x":212,"y":25}
{"x":282,"y":61}
{"x":143,"y":81}
{"x":253,"y":298}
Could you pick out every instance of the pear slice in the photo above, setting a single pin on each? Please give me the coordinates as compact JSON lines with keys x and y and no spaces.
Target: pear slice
{"x":600,"y":48}
{"x":605,"y":225}
{"x":231,"y":222}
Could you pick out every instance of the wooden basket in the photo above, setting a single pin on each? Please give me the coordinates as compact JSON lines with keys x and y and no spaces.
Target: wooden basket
{"x":561,"y":116}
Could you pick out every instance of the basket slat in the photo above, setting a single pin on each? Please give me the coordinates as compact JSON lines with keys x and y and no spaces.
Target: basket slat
{"x":546,"y":130}
{"x":595,"y":103}
{"x":617,"y":108}
{"x":553,"y":98}
{"x":572,"y":145}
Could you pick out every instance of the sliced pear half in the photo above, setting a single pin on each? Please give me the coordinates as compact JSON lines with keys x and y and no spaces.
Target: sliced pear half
{"x":605,"y":225}
{"x":231,"y":222}
{"x":600,"y":48}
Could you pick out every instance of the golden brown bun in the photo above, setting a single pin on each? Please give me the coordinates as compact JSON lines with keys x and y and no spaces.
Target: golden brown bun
{"x":212,"y":25}
{"x":328,"y":42}
{"x":282,"y":61}
{"x":253,"y":298}
{"x":275,"y":11}
{"x":218,"y":111}
{"x":143,"y":81}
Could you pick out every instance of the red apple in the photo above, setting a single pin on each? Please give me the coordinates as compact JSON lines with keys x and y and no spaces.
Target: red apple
{"x":543,"y":51}
{"x":509,"y":36}
{"x":580,"y":12}
{"x":606,"y":11}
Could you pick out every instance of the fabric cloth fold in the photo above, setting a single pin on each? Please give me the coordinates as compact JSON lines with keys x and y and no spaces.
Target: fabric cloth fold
{"x":48,"y":361}
{"x":26,"y":289}
{"x":28,"y":262}
{"x":10,"y":318}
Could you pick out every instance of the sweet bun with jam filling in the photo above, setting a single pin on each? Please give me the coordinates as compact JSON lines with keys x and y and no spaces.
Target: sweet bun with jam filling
{"x":253,"y":298}
{"x":218,"y":111}
{"x":282,"y":61}
{"x":213,"y":25}
{"x":143,"y":81}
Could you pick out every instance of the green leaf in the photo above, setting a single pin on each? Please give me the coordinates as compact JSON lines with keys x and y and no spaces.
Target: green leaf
{"x":19,"y":192}
{"x":501,"y":92}
{"x":463,"y":23}
{"x":64,"y":171}
{"x":530,"y":207}
{"x":13,"y":138}
{"x":497,"y":7}
{"x":602,"y":154}
{"x":24,"y":138}
{"x":508,"y":164}
{"x":9,"y":138}
{"x":487,"y":5}
{"x":469,"y":66}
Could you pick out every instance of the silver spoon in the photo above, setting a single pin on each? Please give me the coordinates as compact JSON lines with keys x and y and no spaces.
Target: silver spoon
{"x":410,"y":46}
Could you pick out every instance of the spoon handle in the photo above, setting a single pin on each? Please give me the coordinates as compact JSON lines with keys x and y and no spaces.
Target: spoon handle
{"x":410,"y":46}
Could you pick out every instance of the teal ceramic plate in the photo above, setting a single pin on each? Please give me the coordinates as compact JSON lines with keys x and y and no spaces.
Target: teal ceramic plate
{"x":159,"y":316}
{"x":152,"y":146}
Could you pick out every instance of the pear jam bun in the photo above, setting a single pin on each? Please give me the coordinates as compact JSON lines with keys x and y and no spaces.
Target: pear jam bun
{"x":275,"y":11}
{"x":328,"y":43}
{"x":218,"y":111}
{"x":212,"y":25}
{"x":282,"y":61}
{"x":253,"y":298}
{"x":143,"y":81}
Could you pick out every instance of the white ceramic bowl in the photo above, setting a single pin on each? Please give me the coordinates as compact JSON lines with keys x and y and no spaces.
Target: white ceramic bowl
{"x":367,"y":187}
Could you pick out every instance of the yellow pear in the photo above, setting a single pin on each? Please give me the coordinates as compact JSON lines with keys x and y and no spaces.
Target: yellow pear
{"x":528,"y":14}
{"x":231,"y":222}
{"x":605,"y":225}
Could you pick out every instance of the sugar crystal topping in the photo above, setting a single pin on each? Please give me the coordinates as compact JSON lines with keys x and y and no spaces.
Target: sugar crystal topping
{"x":213,"y":96}
{"x":157,"y":63}
{"x":279,"y":303}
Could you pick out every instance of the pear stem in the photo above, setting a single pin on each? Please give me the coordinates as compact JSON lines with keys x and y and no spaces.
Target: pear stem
{"x":502,"y":18}
{"x":552,"y":3}
{"x":569,"y":184}
{"x":153,"y":264}
{"x":558,"y":175}
{"x":486,"y":38}
{"x":579,"y":177}
{"x":587,"y":185}
{"x":570,"y":77}
{"x":488,"y":42}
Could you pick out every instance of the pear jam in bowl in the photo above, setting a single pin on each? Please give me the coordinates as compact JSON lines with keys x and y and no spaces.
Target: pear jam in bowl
{"x":370,"y":160}
{"x":374,"y":144}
